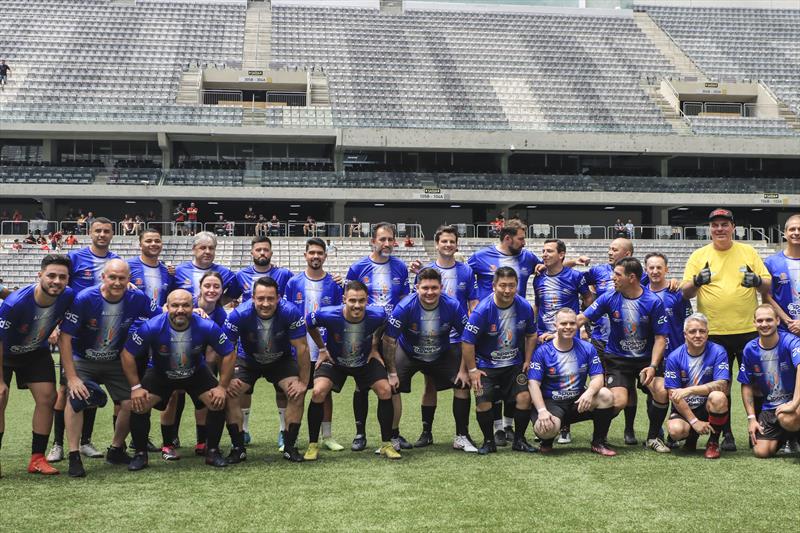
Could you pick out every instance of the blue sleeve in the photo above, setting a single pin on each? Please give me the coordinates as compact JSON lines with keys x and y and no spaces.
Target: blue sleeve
{"x":535,"y":372}
{"x":722,"y":369}
{"x":297,"y":329}
{"x":473,"y":328}
{"x":351,"y":274}
{"x":744,"y":376}
{"x":461,"y":318}
{"x":472,"y":285}
{"x":74,"y":316}
{"x":794,"y":346}
{"x":217,"y":339}
{"x":530,"y":321}
{"x":595,"y":366}
{"x":6,"y":318}
{"x":231,"y":326}
{"x":583,"y":286}
{"x":136,"y":344}
{"x":314,"y":319}
{"x":671,"y":372}
{"x":404,"y":289}
{"x":396,"y":320}
{"x":598,"y":308}
{"x":659,"y":318}
{"x":233,"y":288}
{"x":337,"y":293}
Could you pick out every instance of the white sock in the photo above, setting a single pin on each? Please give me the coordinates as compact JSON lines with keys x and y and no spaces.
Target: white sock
{"x":498,"y":425}
{"x":507,"y":422}
{"x":281,"y":416}
{"x":246,"y":419}
{"x":326,"y":430}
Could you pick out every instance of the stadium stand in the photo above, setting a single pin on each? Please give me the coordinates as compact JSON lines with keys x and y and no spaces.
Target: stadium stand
{"x":741,"y":126}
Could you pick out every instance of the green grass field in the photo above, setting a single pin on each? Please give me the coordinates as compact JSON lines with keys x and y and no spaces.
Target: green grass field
{"x":432,"y":489}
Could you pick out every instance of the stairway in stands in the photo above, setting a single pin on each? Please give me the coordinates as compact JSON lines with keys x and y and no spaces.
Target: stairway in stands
{"x":257,"y":36}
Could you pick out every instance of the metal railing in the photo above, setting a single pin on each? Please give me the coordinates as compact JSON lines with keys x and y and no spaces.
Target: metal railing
{"x":214,"y":97}
{"x":580,"y":231}
{"x":290,"y":99}
{"x":317,"y":229}
{"x":657,"y":232}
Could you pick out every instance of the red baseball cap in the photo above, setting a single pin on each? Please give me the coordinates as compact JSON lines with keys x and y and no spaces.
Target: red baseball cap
{"x":720,"y":213}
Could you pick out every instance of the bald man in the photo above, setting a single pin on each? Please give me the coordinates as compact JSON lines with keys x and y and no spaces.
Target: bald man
{"x":92,"y":336}
{"x":178,"y":341}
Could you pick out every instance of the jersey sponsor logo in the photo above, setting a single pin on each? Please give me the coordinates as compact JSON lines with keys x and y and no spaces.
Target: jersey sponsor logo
{"x":5,"y":324}
{"x":231,"y":326}
{"x":723,"y":366}
{"x":670,"y":374}
{"x":522,"y":379}
{"x":472,"y":328}
{"x":661,"y":320}
{"x":299,"y":297}
{"x":297,"y":323}
{"x":87,"y":274}
{"x":395,"y":322}
{"x":71,"y":317}
{"x":536,"y":366}
{"x":222,"y":339}
{"x":135,"y":337}
{"x":493,"y":328}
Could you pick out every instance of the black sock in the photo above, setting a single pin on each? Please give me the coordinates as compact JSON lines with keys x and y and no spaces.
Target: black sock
{"x":168,"y":433}
{"x":630,"y":416}
{"x":360,"y":409}
{"x":201,"y":430}
{"x":385,"y":415}
{"x":290,"y":437}
{"x":509,"y":410}
{"x":140,"y":428}
{"x":1,"y":440}
{"x":486,"y":423}
{"x":656,"y":413}
{"x":58,"y":427}
{"x":547,"y":443}
{"x":237,"y":436}
{"x":726,"y":428}
{"x":428,"y":411}
{"x":461,"y":415}
{"x":602,"y":421}
{"x":395,"y":433}
{"x":113,"y":422}
{"x":497,"y":412}
{"x":88,"y":425}
{"x":39,"y":442}
{"x":315,"y":413}
{"x":74,"y":457}
{"x":214,"y":423}
{"x":180,"y":403}
{"x":692,"y":437}
{"x":718,"y":421}
{"x":522,"y":417}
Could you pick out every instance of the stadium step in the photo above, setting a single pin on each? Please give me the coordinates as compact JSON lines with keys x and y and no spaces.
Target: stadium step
{"x":664,"y":43}
{"x":392,"y":7}
{"x":257,"y":35}
{"x":189,"y":88}
{"x":670,"y":114}
{"x":320,"y":95}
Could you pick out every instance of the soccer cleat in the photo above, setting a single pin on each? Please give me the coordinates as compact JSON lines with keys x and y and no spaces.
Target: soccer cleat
{"x":728,"y":443}
{"x":425,"y":439}
{"x":280,"y":441}
{"x":38,"y":465}
{"x":237,"y":455}
{"x":400,"y":443}
{"x":168,"y":453}
{"x":672,"y":443}
{"x":387,"y":450}
{"x":152,"y":448}
{"x":332,"y":445}
{"x":509,"y":434}
{"x":500,"y":438}
{"x":690,"y":444}
{"x":630,"y":438}
{"x":247,"y":437}
{"x":546,"y":448}
{"x":601,"y":449}
{"x":489,"y":446}
{"x":291,"y":454}
{"x":56,"y":454}
{"x":789,"y":447}
{"x":76,"y":467}
{"x":312,"y":453}
{"x":200,"y":448}
{"x":565,"y":437}
{"x":176,"y":442}
{"x":138,"y":462}
{"x":88,"y":450}
{"x":657,"y":445}
{"x":117,"y":456}
{"x":214,"y":458}
{"x":522,"y":445}
{"x":712,"y":451}
{"x":461,"y":442}
{"x":359,"y":443}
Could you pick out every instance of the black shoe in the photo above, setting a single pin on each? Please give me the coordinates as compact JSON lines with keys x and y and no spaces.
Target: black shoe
{"x":138,"y":462}
{"x":728,"y":443}
{"x":489,"y":446}
{"x":359,"y":443}
{"x":152,"y":448}
{"x":237,"y":455}
{"x":425,"y":439}
{"x":500,"y":438}
{"x":290,"y":453}
{"x":522,"y":445}
{"x":176,"y":443}
{"x":117,"y":456}
{"x":630,"y":438}
{"x":214,"y":458}
{"x":509,"y":434}
{"x":76,"y":467}
{"x":672,"y":443}
{"x":404,"y":444}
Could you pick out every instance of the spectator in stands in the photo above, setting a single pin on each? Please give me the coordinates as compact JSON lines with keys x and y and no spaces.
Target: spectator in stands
{"x":55,"y":240}
{"x":619,"y":229}
{"x":151,"y":216}
{"x":408,"y":243}
{"x":310,"y":227}
{"x":332,"y":249}
{"x":80,"y":223}
{"x":249,"y":222}
{"x":71,"y":240}
{"x":138,"y":225}
{"x":220,"y":227}
{"x":191,"y":213}
{"x":89,"y":220}
{"x":496,"y":225}
{"x":127,"y":225}
{"x":4,"y":70}
{"x":180,"y":219}
{"x":262,"y":226}
{"x":274,"y":226}
{"x":16,"y":246}
{"x":630,"y":229}
{"x":16,"y":220}
{"x":354,"y":228}
{"x":29,"y":238}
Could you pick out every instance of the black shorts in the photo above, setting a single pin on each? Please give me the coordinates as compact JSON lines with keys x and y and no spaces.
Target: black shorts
{"x":32,"y":367}
{"x":274,"y":372}
{"x":443,"y":370}
{"x":567,"y":411}
{"x":699,"y":413}
{"x":772,"y":428}
{"x":502,"y":384}
{"x":624,"y":371}
{"x":157,"y":383}
{"x":364,"y":376}
{"x":734,"y":344}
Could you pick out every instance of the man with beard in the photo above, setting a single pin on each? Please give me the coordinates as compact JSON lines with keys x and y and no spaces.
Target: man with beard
{"x":150,"y":275}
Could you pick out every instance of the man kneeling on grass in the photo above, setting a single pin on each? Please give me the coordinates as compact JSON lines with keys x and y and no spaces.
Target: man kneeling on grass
{"x":557,"y":383}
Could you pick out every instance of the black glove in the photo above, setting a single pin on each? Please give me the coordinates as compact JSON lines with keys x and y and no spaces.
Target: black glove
{"x":703,"y":277}
{"x":751,"y":279}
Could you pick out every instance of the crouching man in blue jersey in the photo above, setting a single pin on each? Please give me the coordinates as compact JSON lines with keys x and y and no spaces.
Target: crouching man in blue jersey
{"x":178,"y":341}
{"x":557,"y":383}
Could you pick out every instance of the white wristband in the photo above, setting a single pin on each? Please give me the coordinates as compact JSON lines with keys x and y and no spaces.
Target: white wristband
{"x":692,"y":421}
{"x":751,"y":417}
{"x":393,"y":375}
{"x":542,"y":409}
{"x":473,"y":370}
{"x":136,"y":387}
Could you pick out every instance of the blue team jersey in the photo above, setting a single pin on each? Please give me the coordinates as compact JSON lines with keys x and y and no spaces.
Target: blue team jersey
{"x":265,"y":340}
{"x":600,"y":277}
{"x":87,"y":268}
{"x":677,"y":309}
{"x":686,"y":370}
{"x":771,"y":371}
{"x":387,"y":282}
{"x":218,"y":316}
{"x":310,"y":295}
{"x":563,"y":374}
{"x":556,"y":292}
{"x":187,"y":276}
{"x":634,"y":323}
{"x":177,"y":354}
{"x":487,"y":260}
{"x":24,"y":326}
{"x":425,"y":334}
{"x":154,"y":282}
{"x":458,"y":281}
{"x":349,"y":343}
{"x":99,"y":328}
{"x":248,"y":276}
{"x":499,"y":334}
{"x":785,"y":288}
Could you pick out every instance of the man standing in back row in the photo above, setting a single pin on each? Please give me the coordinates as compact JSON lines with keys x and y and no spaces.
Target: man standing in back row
{"x":726,"y":277}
